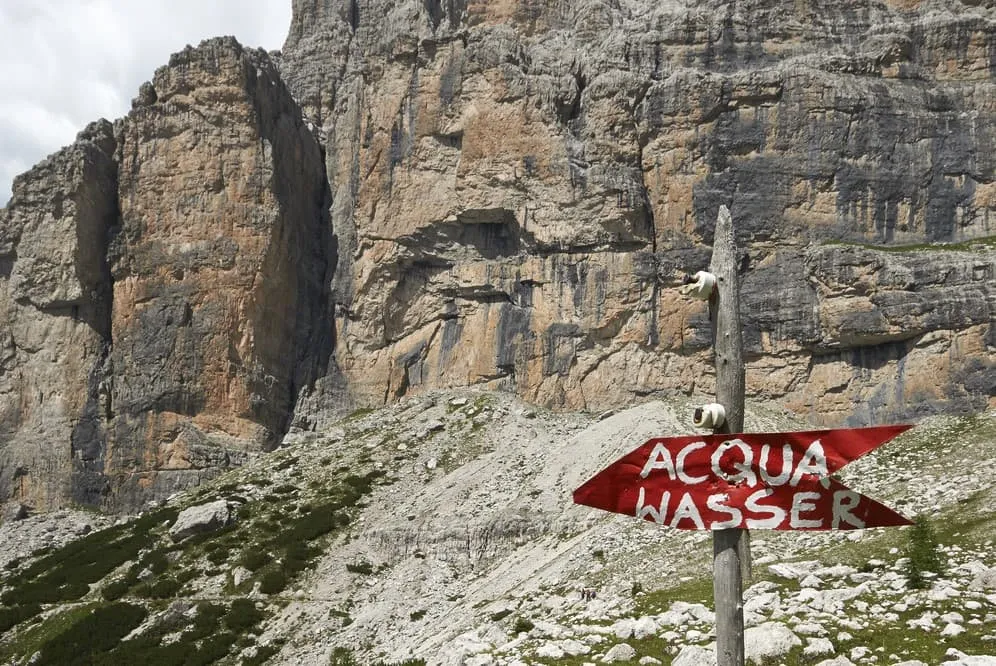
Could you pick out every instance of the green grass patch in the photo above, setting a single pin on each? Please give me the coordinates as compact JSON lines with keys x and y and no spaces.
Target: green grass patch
{"x":243,"y":616}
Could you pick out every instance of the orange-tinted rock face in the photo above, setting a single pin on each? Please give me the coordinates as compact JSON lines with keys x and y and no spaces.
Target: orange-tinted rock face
{"x":220,"y":267}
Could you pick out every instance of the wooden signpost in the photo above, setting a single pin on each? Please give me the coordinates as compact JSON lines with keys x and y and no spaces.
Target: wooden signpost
{"x":730,"y":481}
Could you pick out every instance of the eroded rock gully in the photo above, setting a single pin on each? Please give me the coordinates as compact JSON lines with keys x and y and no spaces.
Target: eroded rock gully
{"x":420,"y":194}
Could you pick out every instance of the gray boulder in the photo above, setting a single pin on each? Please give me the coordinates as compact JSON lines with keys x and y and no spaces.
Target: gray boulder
{"x":200,"y":519}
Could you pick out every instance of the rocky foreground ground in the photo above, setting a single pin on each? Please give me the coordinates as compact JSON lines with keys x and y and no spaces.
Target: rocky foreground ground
{"x":441,"y":529}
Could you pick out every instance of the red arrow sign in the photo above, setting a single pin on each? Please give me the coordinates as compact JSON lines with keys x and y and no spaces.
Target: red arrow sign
{"x":778,"y":481}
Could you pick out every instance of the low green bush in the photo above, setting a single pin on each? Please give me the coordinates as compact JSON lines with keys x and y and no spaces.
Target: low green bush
{"x":94,"y":633}
{"x":205,"y":623}
{"x":116,"y":588}
{"x":273,"y":581}
{"x":12,"y":616}
{"x":255,"y":558}
{"x":363,"y":568}
{"x":243,"y":616}
{"x":523,"y":625}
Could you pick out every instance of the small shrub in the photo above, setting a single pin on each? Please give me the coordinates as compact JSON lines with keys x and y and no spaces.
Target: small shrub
{"x":205,"y":622}
{"x":218,"y":556}
{"x":156,"y":561}
{"x":922,"y":553}
{"x":212,"y":649}
{"x":164,"y":588}
{"x":523,"y":625}
{"x":116,"y":589}
{"x":415,"y":616}
{"x":362,"y":567}
{"x":255,"y":558}
{"x":290,"y":461}
{"x":243,"y":616}
{"x":273,"y":582}
{"x":342,"y":657}
{"x":501,"y":615}
{"x":636,"y":588}
{"x":13,"y":616}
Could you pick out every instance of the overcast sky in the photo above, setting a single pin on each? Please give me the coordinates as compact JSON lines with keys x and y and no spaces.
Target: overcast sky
{"x":64,"y":63}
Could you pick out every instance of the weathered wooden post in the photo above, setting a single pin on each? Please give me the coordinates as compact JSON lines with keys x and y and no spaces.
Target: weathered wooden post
{"x":731,"y":547}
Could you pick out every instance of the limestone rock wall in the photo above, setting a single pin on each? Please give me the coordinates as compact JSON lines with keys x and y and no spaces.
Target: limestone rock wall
{"x":519,"y":186}
{"x":219,"y":294}
{"x":165,"y":289}
{"x":55,"y":298}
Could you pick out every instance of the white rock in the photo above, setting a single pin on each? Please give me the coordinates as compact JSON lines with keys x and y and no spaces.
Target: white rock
{"x":952,"y":629}
{"x":644,"y":627}
{"x":573,"y":647}
{"x":836,"y":571}
{"x":768,"y":640}
{"x":649,"y":661}
{"x":672,"y":618}
{"x":794,"y":570}
{"x":763,"y":602}
{"x":819,"y":647}
{"x":953,"y":617}
{"x":809,"y":629}
{"x":695,"y":655}
{"x":550,"y":651}
{"x":925,"y":621}
{"x":942,"y":592}
{"x":480,"y":660}
{"x":958,"y":658}
{"x":761,"y":587}
{"x":912,"y":662}
{"x":858,"y":653}
{"x":620,"y":652}
{"x":240,"y":575}
{"x":984,"y":580}
{"x":837,"y":661}
{"x":623,"y":629}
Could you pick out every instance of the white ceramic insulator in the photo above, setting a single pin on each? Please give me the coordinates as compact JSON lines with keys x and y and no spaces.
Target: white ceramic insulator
{"x":702,"y":288}
{"x":709,"y":416}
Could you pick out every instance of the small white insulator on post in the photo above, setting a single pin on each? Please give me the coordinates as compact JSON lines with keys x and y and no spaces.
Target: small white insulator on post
{"x":700,"y":285}
{"x":709,"y":416}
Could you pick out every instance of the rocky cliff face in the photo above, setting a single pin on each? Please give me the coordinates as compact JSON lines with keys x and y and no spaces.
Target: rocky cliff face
{"x":520,"y":186}
{"x":426,"y":194}
{"x":165,"y":288}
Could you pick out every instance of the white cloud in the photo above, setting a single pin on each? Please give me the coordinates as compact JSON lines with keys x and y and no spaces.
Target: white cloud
{"x":65,"y":63}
